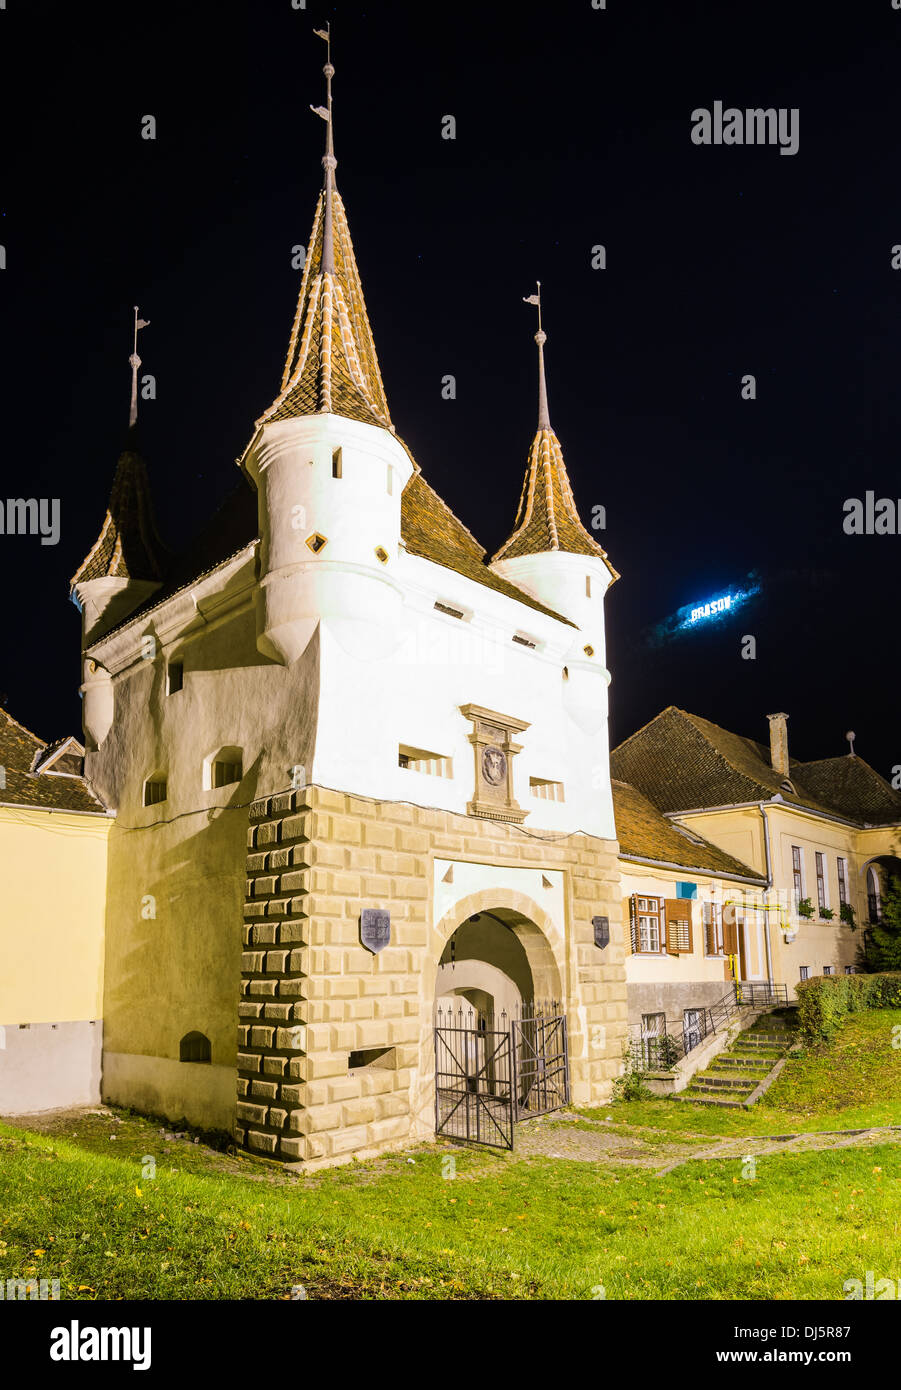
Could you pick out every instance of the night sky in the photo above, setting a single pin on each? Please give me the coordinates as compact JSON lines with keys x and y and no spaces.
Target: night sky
{"x":573,"y":130}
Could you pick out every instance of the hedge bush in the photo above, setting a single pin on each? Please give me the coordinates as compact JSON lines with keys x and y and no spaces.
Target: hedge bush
{"x":824,"y":1002}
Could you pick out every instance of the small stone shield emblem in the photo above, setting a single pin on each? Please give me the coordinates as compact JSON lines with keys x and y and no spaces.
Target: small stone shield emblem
{"x":375,"y":928}
{"x":601,"y":931}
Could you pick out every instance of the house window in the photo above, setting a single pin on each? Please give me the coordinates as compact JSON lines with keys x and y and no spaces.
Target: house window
{"x":842,"y":881}
{"x":175,"y":677}
{"x":821,"y":881}
{"x":194,"y":1047}
{"x":874,"y":897}
{"x":648,"y":935}
{"x":850,"y":970}
{"x":546,"y":790}
{"x":420,"y":760}
{"x":336,"y":463}
{"x":155,"y":790}
{"x":805,"y":971}
{"x":653,"y":1034}
{"x":828,"y":970}
{"x":797,"y":876}
{"x":686,"y":890}
{"x":713,"y":929}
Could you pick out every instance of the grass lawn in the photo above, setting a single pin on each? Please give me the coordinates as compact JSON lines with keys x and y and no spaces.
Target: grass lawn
{"x":78,"y":1203}
{"x":207,"y":1226}
{"x":854,"y":1082}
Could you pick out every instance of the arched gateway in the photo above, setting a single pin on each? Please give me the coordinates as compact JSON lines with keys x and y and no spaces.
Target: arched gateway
{"x":500,"y":1033}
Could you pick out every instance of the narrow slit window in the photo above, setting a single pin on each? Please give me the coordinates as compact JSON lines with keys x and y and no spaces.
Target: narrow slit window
{"x":448,"y":609}
{"x":524,"y":640}
{"x":389,"y":480}
{"x":336,"y":463}
{"x":175,"y":677}
{"x":588,"y":586}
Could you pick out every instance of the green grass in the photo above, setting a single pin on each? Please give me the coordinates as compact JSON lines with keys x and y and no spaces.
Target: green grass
{"x":79,"y":1205}
{"x":852,"y":1083}
{"x":391,"y":1229}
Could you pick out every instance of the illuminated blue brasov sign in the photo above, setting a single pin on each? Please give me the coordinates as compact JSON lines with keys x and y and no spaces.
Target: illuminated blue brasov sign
{"x":712,"y":609}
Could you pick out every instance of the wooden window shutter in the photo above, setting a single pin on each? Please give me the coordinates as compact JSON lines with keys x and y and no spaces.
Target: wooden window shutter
{"x":673,"y":912}
{"x":632,"y":938}
{"x":730,"y":932}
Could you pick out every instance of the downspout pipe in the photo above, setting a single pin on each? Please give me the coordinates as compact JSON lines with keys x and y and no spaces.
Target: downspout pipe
{"x":769,"y":884}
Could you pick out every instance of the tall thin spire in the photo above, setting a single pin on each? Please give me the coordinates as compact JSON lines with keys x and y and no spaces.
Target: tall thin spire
{"x":135,"y":362}
{"x":544,"y":422}
{"x":547,"y":517}
{"x":329,"y":161}
{"x":331,"y":366}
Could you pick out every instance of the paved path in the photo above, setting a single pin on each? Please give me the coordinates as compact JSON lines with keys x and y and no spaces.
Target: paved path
{"x":564,"y":1135}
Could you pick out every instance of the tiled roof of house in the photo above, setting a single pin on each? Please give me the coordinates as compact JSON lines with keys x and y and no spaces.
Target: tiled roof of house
{"x":683,"y":762}
{"x":331,"y":365}
{"x":645,"y":833}
{"x":20,"y":752}
{"x":128,"y":546}
{"x":851,"y":788}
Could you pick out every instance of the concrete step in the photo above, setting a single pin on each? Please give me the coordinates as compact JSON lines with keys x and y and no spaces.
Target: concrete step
{"x":732,"y":1059}
{"x":705,"y":1082}
{"x":710,"y":1100}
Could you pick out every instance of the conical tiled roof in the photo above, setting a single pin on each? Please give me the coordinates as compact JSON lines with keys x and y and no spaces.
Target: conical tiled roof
{"x":547,"y":518}
{"x":331,"y":365}
{"x":128,"y":546}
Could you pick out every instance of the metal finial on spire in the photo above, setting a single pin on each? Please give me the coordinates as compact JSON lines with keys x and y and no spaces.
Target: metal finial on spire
{"x":135,"y":362}
{"x":329,"y":161}
{"x":851,"y":736}
{"x":544,"y":422}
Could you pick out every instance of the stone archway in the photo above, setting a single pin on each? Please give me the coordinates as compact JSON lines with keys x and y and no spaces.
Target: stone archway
{"x":526,"y":961}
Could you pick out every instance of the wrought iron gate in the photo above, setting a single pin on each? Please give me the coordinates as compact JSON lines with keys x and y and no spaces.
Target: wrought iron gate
{"x":474,"y":1080}
{"x":488,"y":1077}
{"x":540,"y":1060}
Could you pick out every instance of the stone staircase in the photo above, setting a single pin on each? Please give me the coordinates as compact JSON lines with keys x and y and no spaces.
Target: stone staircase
{"x":735,"y":1074}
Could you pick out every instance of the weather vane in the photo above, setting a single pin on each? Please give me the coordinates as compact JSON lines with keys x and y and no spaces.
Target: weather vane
{"x":329,"y":161}
{"x":544,"y":422}
{"x":536,"y":300}
{"x":135,"y":362}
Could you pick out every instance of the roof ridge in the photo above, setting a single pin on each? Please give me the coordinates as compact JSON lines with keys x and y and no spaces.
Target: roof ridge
{"x":37,"y":738}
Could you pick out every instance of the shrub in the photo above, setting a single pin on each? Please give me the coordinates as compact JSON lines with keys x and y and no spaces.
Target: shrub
{"x":825,"y":1002}
{"x":805,"y":908}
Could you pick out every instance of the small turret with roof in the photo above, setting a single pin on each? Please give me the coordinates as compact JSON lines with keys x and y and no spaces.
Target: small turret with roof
{"x":126,"y":563}
{"x":325,"y":460}
{"x":549,"y":553}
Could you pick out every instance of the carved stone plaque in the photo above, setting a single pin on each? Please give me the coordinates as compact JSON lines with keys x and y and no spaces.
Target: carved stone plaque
{"x":601,"y":931}
{"x":492,"y":741}
{"x":494,"y":766}
{"x":375,"y":928}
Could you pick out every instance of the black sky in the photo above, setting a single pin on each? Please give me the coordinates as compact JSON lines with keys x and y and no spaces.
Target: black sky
{"x":573,"y":129}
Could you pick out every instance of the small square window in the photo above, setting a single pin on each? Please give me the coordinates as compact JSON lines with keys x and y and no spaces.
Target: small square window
{"x":155,"y":791}
{"x":805,"y":971}
{"x":316,"y":542}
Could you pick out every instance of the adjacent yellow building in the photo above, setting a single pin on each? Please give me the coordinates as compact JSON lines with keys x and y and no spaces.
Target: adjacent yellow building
{"x":53,"y":838}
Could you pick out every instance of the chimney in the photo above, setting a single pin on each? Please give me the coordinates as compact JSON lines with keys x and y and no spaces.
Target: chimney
{"x":779,"y":743}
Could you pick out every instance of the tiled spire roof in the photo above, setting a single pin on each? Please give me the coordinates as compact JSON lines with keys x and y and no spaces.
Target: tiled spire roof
{"x":331,"y":365}
{"x":128,"y":546}
{"x":547,"y":518}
